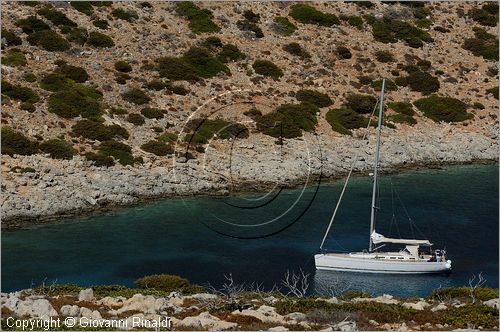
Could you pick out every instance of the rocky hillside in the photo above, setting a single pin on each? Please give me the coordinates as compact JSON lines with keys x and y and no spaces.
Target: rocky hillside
{"x":105,"y":103}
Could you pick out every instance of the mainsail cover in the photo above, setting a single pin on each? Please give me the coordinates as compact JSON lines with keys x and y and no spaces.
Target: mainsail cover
{"x":379,"y":238}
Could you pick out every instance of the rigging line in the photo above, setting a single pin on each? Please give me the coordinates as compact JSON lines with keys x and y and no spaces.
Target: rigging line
{"x":348,"y":177}
{"x":393,"y":208}
{"x":412,"y":223}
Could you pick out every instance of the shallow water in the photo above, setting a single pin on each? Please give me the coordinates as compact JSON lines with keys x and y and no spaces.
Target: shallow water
{"x":202,"y":238}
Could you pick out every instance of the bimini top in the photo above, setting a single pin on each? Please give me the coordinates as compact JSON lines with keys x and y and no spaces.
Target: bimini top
{"x":379,"y":238}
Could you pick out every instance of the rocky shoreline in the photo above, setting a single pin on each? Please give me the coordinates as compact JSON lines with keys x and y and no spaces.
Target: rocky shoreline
{"x":87,"y":309}
{"x":56,"y":189}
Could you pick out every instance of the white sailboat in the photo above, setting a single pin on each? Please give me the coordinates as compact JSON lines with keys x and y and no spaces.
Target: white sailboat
{"x":410,"y":259}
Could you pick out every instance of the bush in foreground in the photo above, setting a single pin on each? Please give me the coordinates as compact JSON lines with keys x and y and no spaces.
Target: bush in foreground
{"x":168,"y":283}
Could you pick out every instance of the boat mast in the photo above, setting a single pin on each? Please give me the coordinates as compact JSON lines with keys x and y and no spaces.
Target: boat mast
{"x":375,"y":170}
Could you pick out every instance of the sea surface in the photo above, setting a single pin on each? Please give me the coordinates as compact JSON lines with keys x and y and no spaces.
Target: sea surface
{"x":256,"y":238}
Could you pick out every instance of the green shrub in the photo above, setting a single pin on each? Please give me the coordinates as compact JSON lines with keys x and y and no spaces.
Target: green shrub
{"x":176,"y":69}
{"x":83,"y":7}
{"x":167,"y":137}
{"x":99,"y":159}
{"x":203,"y":62}
{"x":14,"y":58}
{"x":156,"y":85}
{"x":249,"y":25}
{"x":28,"y":107}
{"x":365,"y":80}
{"x":10,"y":38}
{"x":355,"y":21}
{"x":483,"y":17}
{"x":445,"y":109}
{"x":136,"y":96}
{"x":422,"y":82}
{"x":19,"y":92}
{"x":296,"y":49}
{"x":101,"y":24}
{"x":16,"y":143}
{"x":118,"y":111}
{"x":314,"y":97}
{"x":76,"y":35}
{"x":390,"y":31}
{"x":77,"y":74}
{"x":230,"y":52}
{"x":177,"y":89}
{"x":441,"y":29}
{"x":384,"y":56}
{"x":344,"y":52}
{"x":283,"y":26}
{"x":157,"y":148}
{"x":267,"y":68}
{"x":389,"y":85}
{"x":478,"y":106}
{"x":200,"y":20}
{"x":212,"y":42}
{"x":361,"y":103}
{"x":58,"y":149}
{"x":349,"y":295}
{"x":402,"y":107}
{"x":136,"y":119}
{"x":201,"y":130}
{"x":55,"y":82}
{"x":55,"y":16}
{"x":168,"y":283}
{"x":79,"y":100}
{"x":127,"y":15}
{"x":123,"y":66}
{"x":49,"y":40}
{"x":97,"y":131}
{"x":289,"y":120}
{"x":343,"y":119}
{"x":483,"y":44}
{"x":470,"y":315}
{"x":310,"y":15}
{"x":493,"y":91}
{"x":118,"y":150}
{"x":98,"y":39}
{"x":32,"y":24}
{"x":364,"y":4}
{"x":152,"y":113}
{"x":402,"y":118}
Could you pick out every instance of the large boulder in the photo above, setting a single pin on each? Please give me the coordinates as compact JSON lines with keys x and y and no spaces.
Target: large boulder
{"x":420,"y":305}
{"x":35,"y":308}
{"x":145,"y":304}
{"x":86,"y":295}
{"x":70,"y":310}
{"x":493,"y":303}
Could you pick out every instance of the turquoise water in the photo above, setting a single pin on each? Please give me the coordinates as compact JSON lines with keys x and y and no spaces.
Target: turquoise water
{"x":455,"y":207}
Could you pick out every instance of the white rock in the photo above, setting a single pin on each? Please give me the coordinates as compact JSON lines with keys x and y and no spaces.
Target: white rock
{"x":346,"y":326}
{"x":109,"y":301}
{"x":278,"y":328}
{"x":270,"y":299}
{"x":493,"y":303}
{"x":297,"y":316}
{"x":86,"y":312}
{"x":70,"y":310}
{"x":39,"y":308}
{"x":203,"y":296}
{"x":420,"y":305}
{"x":146,"y":304}
{"x":86,"y":295}
{"x":265,"y":313}
{"x":373,"y":322}
{"x":440,"y":306}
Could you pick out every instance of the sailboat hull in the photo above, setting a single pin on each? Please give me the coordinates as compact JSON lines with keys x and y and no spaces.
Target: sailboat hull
{"x":371,"y":263}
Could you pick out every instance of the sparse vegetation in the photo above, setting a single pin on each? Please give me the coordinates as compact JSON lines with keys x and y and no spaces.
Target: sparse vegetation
{"x":493,"y":91}
{"x":250,"y":23}
{"x":309,"y":15}
{"x":361,"y":103}
{"x":283,"y":26}
{"x":123,"y":66}
{"x":168,"y":283}
{"x":267,"y":68}
{"x":97,"y":131}
{"x":83,"y":7}
{"x":32,"y":24}
{"x":446,"y":109}
{"x":356,"y":21}
{"x":230,"y":52}
{"x":58,"y":149}
{"x":152,"y":113}
{"x":202,"y":130}
{"x":200,"y":20}
{"x":11,"y":38}
{"x":390,"y":31}
{"x":118,"y":150}
{"x":314,"y":97}
{"x":485,"y":16}
{"x":101,"y":24}
{"x":402,"y":107}
{"x":55,"y":16}
{"x":343,"y":52}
